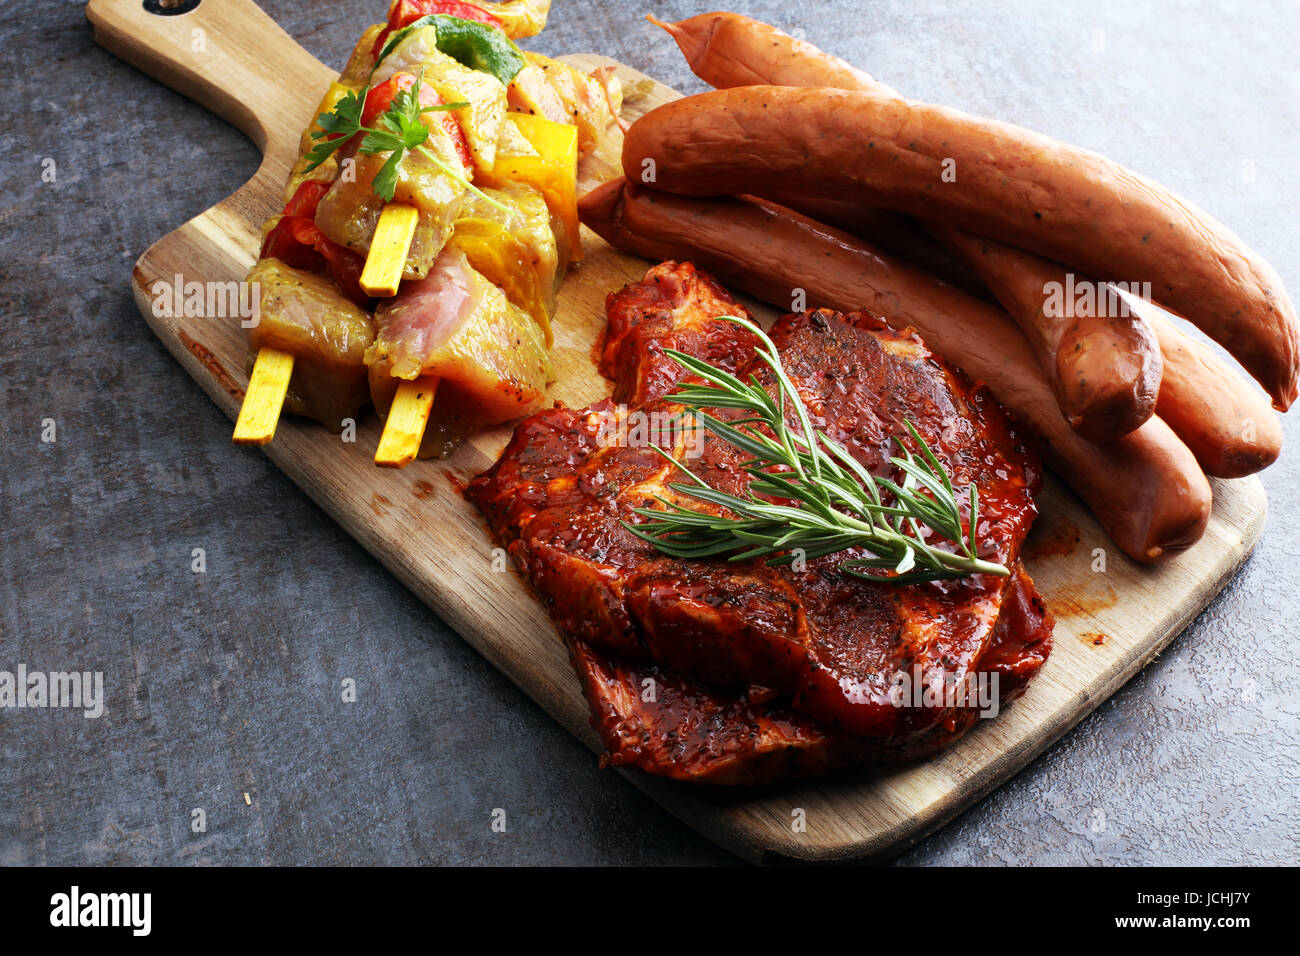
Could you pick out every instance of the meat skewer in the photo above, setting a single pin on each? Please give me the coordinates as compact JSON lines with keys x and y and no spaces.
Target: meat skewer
{"x":311,"y":331}
{"x":432,"y":198}
{"x":394,"y":223}
{"x":460,"y":254}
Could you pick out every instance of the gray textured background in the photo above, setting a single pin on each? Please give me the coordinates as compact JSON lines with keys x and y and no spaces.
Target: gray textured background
{"x":227,"y":682}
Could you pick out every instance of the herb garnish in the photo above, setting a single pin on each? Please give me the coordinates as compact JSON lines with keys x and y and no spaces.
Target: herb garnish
{"x":400,"y":130}
{"x":838,"y":503}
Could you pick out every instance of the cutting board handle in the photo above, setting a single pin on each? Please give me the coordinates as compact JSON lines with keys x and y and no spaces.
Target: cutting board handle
{"x":226,"y":55}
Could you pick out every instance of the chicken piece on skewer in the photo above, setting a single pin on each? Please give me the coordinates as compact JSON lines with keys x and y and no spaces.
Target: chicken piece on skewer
{"x":432,"y":178}
{"x":511,"y":243}
{"x":417,"y":53}
{"x":312,"y":328}
{"x":563,"y":94}
{"x":456,"y":328}
{"x":316,"y":340}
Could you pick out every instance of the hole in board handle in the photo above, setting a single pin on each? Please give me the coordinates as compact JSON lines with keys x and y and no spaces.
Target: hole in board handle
{"x":170,"y":8}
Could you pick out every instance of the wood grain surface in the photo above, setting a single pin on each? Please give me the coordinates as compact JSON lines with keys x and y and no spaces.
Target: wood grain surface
{"x":1110,"y":622}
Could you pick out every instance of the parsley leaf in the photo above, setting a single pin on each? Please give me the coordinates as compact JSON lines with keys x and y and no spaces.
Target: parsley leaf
{"x":400,"y":130}
{"x":336,"y":127}
{"x":385,"y":182}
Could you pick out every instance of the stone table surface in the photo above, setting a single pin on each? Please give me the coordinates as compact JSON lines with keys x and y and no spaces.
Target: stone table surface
{"x":226,"y":683}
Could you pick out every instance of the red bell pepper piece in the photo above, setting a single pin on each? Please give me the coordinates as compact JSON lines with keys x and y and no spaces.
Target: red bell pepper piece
{"x":380,"y":99}
{"x":306,"y":198}
{"x":298,"y":243}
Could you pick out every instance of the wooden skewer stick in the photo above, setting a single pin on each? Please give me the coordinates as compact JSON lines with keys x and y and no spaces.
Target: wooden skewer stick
{"x":387,"y":256}
{"x":265,"y":396}
{"x":409,"y":413}
{"x":407,"y":417}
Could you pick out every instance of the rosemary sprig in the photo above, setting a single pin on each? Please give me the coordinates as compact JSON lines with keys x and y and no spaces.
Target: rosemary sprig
{"x":837,"y":503}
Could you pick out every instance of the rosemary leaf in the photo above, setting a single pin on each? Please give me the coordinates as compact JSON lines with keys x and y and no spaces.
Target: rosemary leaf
{"x":808,"y":497}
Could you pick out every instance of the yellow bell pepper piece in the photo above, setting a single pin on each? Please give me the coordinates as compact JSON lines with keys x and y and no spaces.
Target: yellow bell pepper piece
{"x":554,"y":170}
{"x":330,"y":100}
{"x":328,"y":169}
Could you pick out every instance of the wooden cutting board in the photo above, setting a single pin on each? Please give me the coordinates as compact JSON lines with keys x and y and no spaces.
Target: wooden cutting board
{"x":1113,"y":616}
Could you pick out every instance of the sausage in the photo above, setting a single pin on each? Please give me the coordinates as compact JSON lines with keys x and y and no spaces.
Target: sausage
{"x":1222,"y":418}
{"x":1224,"y":422}
{"x":1145,"y":487}
{"x":1104,"y":366}
{"x":1104,"y":370}
{"x":893,"y":232}
{"x":727,"y":50}
{"x":1064,"y":203}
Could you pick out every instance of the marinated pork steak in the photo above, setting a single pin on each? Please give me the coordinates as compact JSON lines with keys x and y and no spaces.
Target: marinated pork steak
{"x":690,"y":731}
{"x":741,"y":672}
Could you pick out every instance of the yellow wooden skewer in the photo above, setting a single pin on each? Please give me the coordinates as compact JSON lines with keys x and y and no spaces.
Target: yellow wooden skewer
{"x":272,"y":369}
{"x":409,"y":413}
{"x":387,"y":256}
{"x":407,"y":418}
{"x":265,"y":396}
